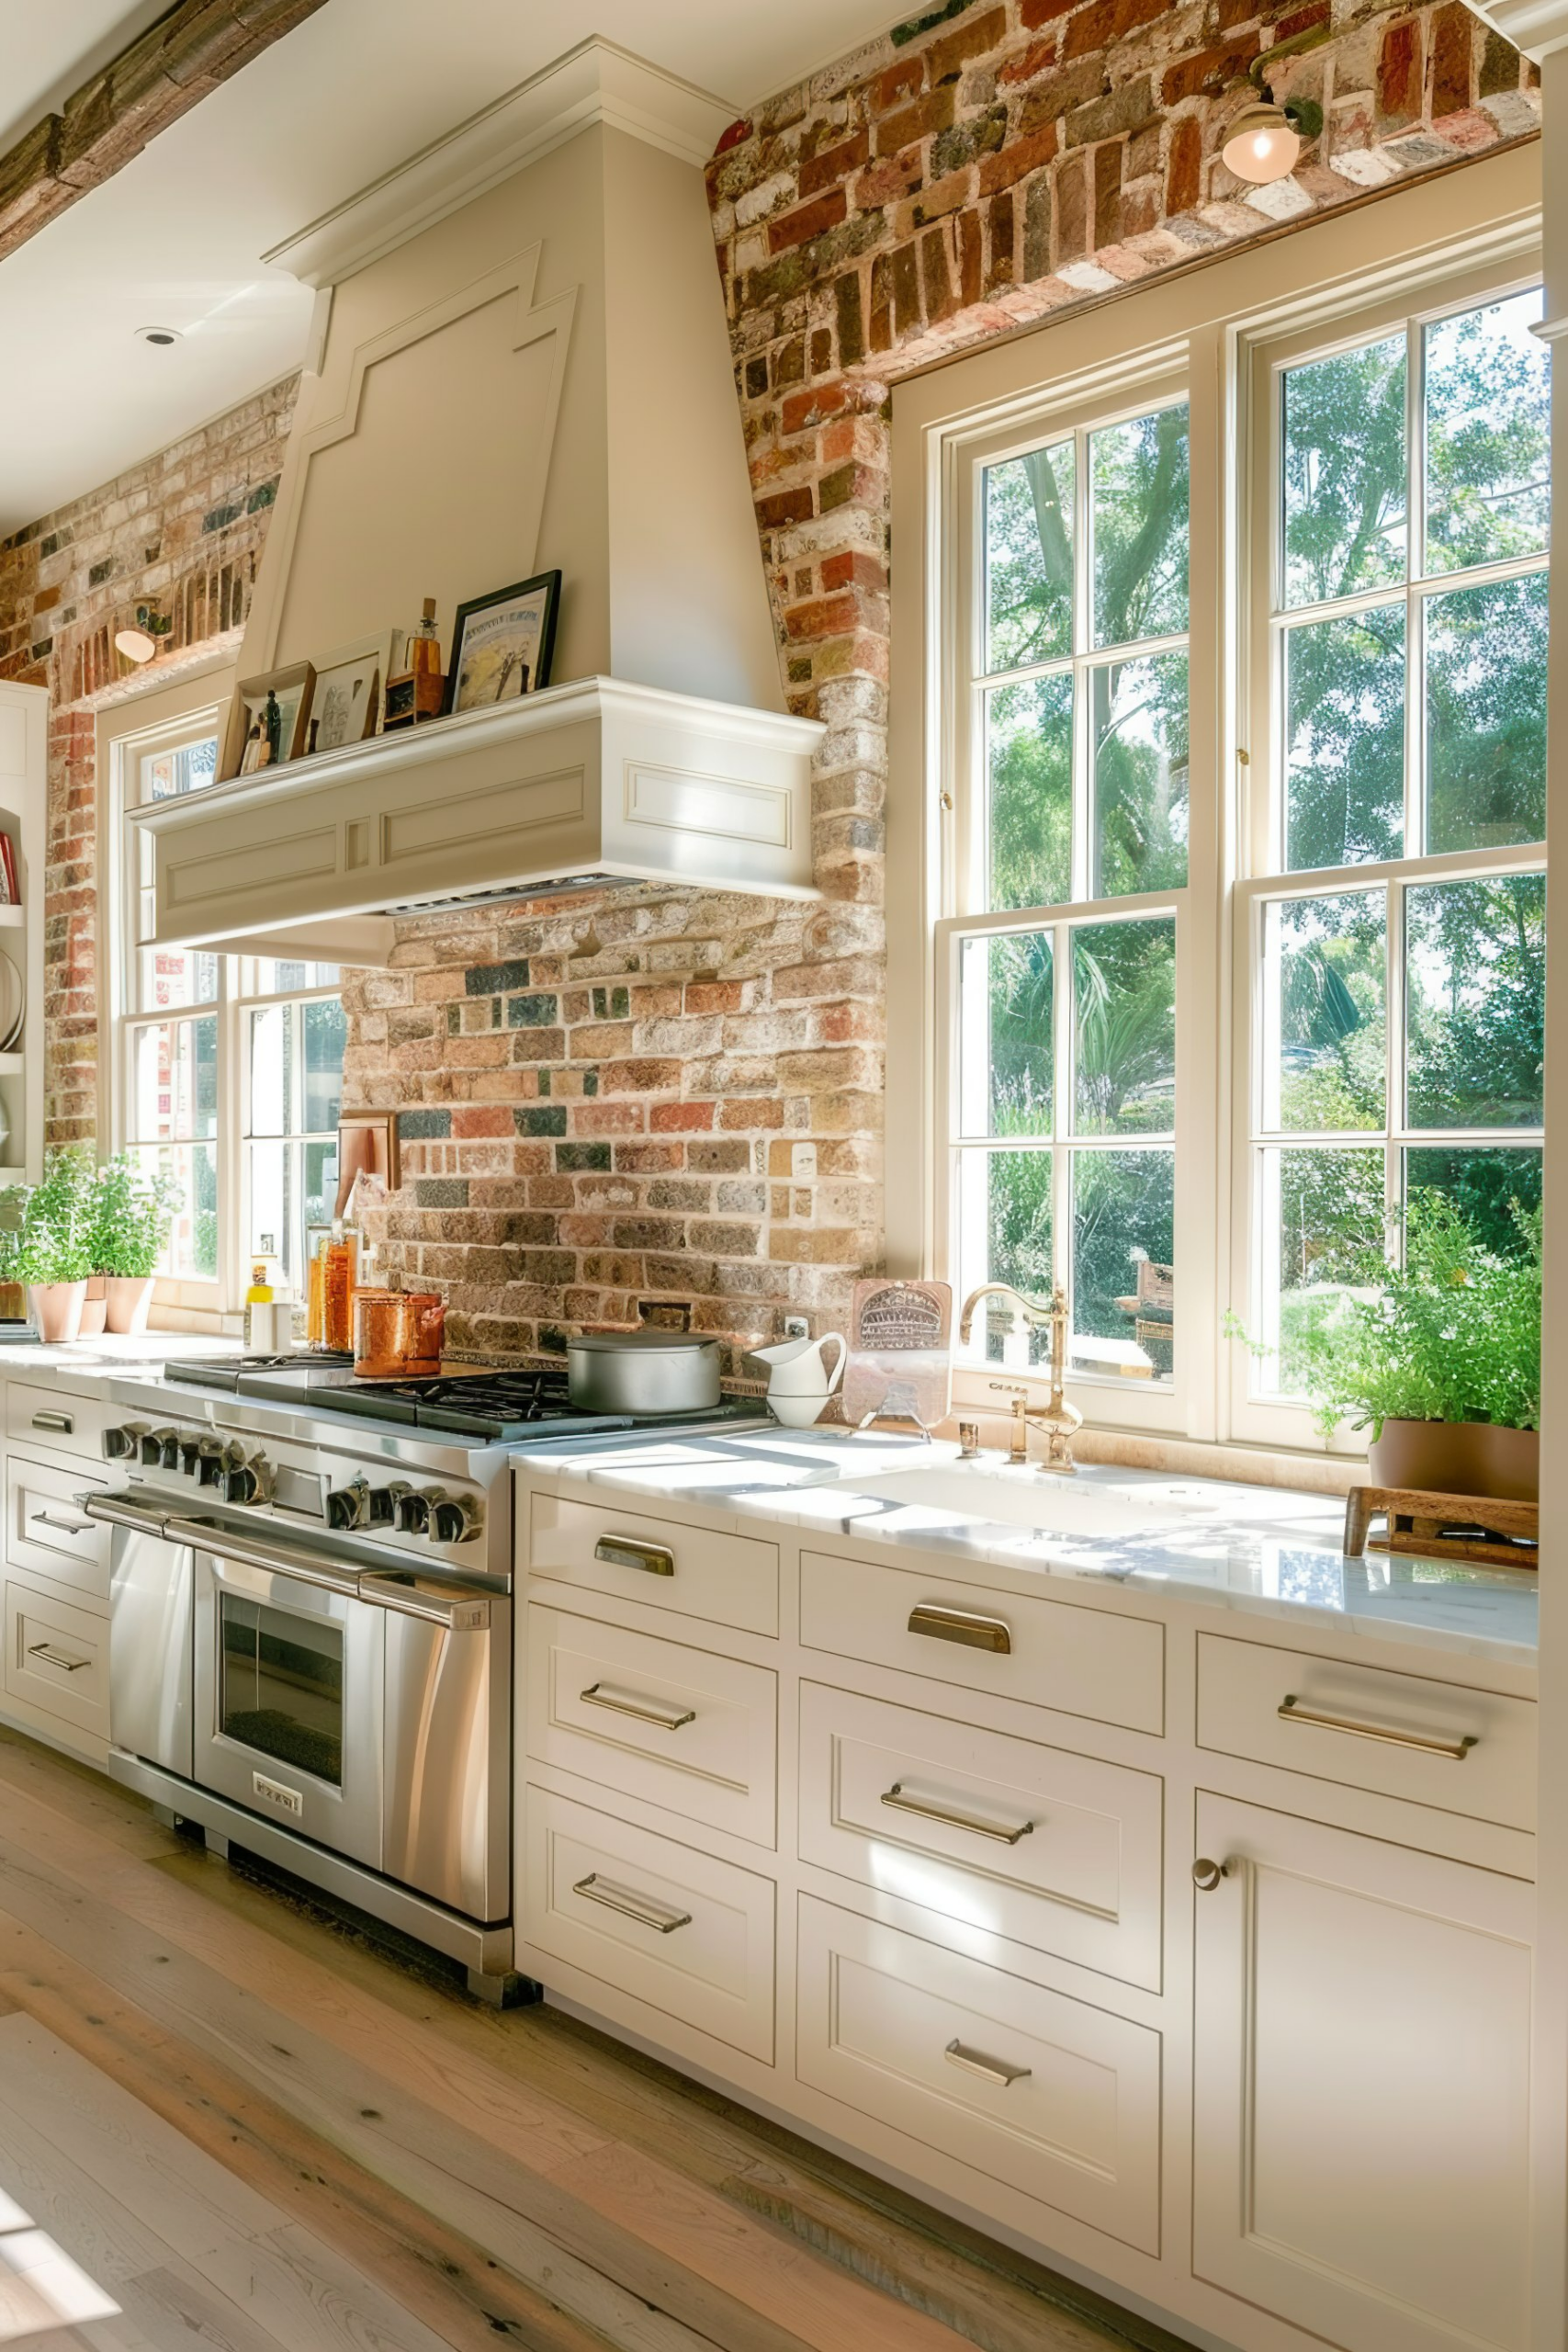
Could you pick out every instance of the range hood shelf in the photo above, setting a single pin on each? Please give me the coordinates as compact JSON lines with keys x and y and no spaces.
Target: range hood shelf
{"x":581,"y":784}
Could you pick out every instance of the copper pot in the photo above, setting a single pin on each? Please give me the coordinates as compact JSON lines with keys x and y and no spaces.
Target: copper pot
{"x":397,"y":1333}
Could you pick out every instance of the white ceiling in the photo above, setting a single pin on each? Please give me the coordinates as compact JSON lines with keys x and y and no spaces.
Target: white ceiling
{"x":173,"y":239}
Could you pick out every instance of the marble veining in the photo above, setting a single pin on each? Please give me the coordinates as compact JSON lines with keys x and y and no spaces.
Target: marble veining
{"x":1265,"y":1551}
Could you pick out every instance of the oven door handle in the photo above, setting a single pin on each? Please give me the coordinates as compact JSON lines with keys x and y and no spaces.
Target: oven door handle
{"x":120,"y":1513}
{"x":461,"y":1613}
{"x":220,"y":1543}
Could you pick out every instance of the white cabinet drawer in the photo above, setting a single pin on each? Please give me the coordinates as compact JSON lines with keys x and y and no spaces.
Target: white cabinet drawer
{"x":1438,"y":1743}
{"x":679,"y":1727}
{"x":1048,"y":2097}
{"x":48,"y":1533}
{"x":1048,"y":1653}
{"x":672,"y":1926}
{"x":725,"y":1579}
{"x":57,"y":1659}
{"x":1055,"y":1850}
{"x":42,"y":1416}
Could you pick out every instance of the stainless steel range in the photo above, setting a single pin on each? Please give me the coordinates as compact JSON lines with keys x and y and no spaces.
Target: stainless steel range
{"x":311,"y":1620}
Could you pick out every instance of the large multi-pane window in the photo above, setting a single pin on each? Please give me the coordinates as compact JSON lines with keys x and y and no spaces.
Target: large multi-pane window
{"x":229,"y":1070}
{"x":1398,"y":950}
{"x":1239,"y":762}
{"x":1063,"y":1097}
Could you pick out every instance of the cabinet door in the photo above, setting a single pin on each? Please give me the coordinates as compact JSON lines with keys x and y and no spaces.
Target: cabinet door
{"x":1361,"y":2110}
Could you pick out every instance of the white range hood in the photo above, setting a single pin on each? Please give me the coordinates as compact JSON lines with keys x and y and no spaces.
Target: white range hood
{"x":521,"y":363}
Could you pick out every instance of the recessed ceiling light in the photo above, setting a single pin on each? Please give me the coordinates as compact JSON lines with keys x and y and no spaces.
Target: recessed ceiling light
{"x":159,"y":335}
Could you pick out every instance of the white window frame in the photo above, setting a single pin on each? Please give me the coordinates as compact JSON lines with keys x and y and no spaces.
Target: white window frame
{"x":128,"y":734}
{"x":1136,"y":385}
{"x":1259,"y":1412}
{"x":1412,"y":249}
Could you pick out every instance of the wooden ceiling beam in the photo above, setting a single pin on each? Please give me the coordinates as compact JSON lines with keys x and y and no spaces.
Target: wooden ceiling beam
{"x":192,"y":49}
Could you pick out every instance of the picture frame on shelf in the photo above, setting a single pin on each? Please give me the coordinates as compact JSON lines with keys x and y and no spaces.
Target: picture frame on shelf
{"x":346,"y":693}
{"x":502,"y":644}
{"x":267,"y":720}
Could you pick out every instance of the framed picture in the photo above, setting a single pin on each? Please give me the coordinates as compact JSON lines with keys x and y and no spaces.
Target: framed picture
{"x":502,"y":644}
{"x":345,"y":699}
{"x":267,"y":722}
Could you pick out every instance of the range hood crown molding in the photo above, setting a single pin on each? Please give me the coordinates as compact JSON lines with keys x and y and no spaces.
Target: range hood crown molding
{"x":595,"y":83}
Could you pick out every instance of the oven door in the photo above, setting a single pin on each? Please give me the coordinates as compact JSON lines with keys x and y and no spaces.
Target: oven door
{"x":290,"y":1674}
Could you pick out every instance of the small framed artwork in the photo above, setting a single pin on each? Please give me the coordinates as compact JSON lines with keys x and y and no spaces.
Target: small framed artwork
{"x":502,"y":644}
{"x":345,"y":699}
{"x":267,"y":720}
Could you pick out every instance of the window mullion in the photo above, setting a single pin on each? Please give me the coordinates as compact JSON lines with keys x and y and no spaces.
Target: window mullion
{"x":1063,"y":1121}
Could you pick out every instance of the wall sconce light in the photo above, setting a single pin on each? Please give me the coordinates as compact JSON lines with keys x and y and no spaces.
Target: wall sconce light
{"x":1266,"y":139}
{"x":140,"y":643}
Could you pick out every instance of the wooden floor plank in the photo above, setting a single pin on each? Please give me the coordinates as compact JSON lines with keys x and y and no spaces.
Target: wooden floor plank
{"x":764,"y":2277}
{"x":438,"y":2272}
{"x":548,"y":2162}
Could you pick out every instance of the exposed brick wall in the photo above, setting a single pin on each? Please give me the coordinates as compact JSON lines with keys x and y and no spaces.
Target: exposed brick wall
{"x":650,"y":1096}
{"x":184,"y":531}
{"x":993,"y":163}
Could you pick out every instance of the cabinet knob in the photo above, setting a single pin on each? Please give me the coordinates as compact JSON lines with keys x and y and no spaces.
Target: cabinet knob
{"x":1206,"y":1875}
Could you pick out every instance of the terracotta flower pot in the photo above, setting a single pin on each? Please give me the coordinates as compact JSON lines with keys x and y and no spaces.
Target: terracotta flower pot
{"x":130,"y":1297}
{"x":56,"y":1310}
{"x":95,"y":1308}
{"x":1459,"y":1458}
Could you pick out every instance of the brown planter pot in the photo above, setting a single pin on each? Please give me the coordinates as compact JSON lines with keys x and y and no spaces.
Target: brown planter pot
{"x":130,"y":1297}
{"x":13,"y":1302}
{"x":56,"y":1310}
{"x":94,"y":1309}
{"x":1459,"y":1458}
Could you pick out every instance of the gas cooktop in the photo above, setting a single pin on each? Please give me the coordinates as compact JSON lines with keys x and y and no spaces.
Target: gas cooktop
{"x":498,"y":1408}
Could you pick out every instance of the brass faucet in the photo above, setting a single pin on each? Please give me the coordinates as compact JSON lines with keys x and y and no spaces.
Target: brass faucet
{"x":1059,"y":1421}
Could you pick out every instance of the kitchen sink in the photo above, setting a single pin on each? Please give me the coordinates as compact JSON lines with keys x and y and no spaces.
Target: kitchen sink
{"x":1055,"y":1505}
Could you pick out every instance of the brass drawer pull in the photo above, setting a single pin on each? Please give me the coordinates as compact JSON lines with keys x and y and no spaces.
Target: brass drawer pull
{"x":647,"y":1914}
{"x":594,"y":1697}
{"x":1293,"y":1711}
{"x":1206,"y":1875}
{"x":54,"y":1422}
{"x":901,"y":1804}
{"x":962,"y":1625}
{"x":62,"y":1526}
{"x":51,"y":1656}
{"x":630,"y":1552}
{"x":991,"y":2070}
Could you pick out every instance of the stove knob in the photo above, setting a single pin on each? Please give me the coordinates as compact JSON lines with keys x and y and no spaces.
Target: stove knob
{"x":412,"y":1514}
{"x":452,"y":1522}
{"x":152,"y":1444}
{"x":210,"y":1466}
{"x":121,"y":1446}
{"x":169,"y":1451}
{"x":240,"y":1484}
{"x":379,"y":1507}
{"x":346,"y":1505}
{"x":190,"y":1455}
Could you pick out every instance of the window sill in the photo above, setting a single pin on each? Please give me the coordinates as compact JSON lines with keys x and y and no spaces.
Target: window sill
{"x":1250,"y":1465}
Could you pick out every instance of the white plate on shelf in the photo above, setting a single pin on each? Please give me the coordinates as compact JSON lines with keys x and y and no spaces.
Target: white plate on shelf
{"x":13,"y":1003}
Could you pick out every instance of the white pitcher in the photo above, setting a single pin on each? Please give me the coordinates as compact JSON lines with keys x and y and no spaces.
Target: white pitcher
{"x":799,"y":1383}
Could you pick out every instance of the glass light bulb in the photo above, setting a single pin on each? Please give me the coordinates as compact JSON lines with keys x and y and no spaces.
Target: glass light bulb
{"x":135,"y":644}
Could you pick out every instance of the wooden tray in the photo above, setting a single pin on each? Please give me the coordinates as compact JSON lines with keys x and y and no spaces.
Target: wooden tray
{"x":1443,"y":1527}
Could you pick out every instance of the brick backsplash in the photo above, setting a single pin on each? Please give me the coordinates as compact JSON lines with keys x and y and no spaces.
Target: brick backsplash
{"x":664,"y":1094}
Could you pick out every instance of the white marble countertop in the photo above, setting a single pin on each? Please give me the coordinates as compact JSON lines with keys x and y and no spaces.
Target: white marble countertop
{"x":111,"y":1353}
{"x":1269,"y":1552}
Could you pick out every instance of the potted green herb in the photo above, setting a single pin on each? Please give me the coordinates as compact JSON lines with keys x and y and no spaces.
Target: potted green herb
{"x":131,"y":1215}
{"x":54,"y":1256}
{"x":1438,"y":1359}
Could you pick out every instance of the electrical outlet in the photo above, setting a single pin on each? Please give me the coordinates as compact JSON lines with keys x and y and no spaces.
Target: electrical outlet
{"x":795,"y":1327}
